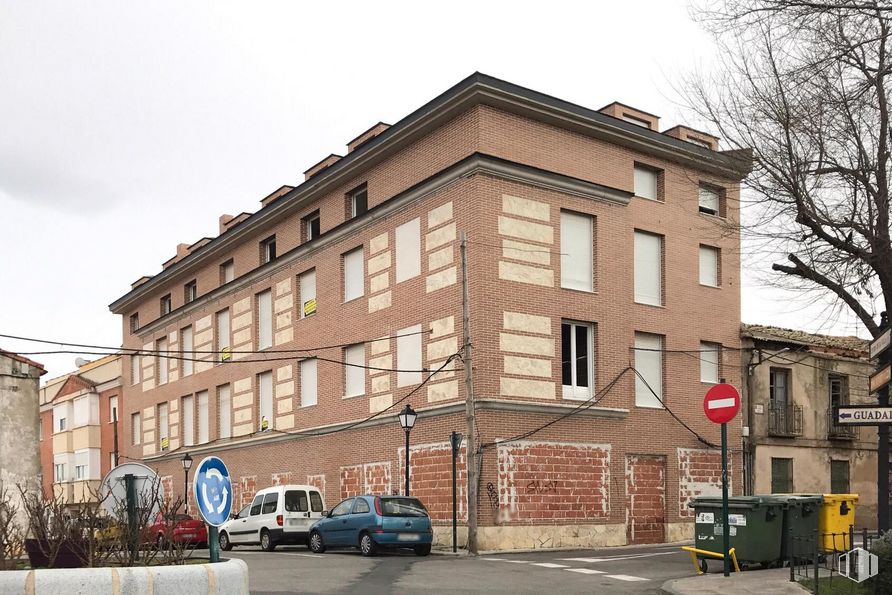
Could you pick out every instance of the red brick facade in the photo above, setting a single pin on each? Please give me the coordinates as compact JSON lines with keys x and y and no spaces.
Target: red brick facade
{"x":478,"y":163}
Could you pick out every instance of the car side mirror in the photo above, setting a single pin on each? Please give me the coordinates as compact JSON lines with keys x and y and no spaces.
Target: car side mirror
{"x":325,"y":513}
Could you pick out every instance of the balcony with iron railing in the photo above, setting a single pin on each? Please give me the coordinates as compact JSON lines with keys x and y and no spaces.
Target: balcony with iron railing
{"x":784,"y":420}
{"x":837,"y":431}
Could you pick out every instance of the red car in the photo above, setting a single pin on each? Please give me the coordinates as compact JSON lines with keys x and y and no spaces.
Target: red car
{"x":181,"y":529}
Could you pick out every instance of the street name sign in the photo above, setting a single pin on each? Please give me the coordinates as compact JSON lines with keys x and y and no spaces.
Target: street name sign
{"x":863,"y":415}
{"x":721,"y":404}
{"x":880,"y":379}
{"x":212,"y":489}
{"x":881,"y":343}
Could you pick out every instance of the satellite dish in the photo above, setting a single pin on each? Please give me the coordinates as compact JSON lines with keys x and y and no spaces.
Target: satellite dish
{"x":113,"y":489}
{"x":81,"y":362}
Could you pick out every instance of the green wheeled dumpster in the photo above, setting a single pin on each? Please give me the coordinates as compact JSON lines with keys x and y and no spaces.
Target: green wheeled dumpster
{"x":755,"y":526}
{"x":800,"y":525}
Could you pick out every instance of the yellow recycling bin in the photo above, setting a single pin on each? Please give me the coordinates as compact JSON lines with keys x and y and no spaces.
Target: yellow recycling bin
{"x":837,"y":514}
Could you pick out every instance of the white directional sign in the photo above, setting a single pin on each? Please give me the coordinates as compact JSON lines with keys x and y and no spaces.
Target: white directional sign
{"x":881,"y":343}
{"x":213,"y":491}
{"x":863,"y":415}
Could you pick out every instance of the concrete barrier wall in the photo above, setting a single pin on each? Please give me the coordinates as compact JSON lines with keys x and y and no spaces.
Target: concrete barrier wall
{"x":226,"y":578}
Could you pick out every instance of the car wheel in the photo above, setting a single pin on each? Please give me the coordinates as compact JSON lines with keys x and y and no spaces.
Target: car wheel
{"x":225,"y":545}
{"x":367,"y":545}
{"x":316,"y":545}
{"x":266,"y":541}
{"x":422,"y":550}
{"x":703,"y":566}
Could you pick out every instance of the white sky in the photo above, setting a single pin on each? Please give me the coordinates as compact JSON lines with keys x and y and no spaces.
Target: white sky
{"x":126,"y":128}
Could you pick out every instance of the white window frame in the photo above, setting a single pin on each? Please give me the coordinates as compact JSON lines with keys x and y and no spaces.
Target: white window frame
{"x":308,"y":382}
{"x":354,"y":274}
{"x":649,"y":355}
{"x":265,"y":400}
{"x":648,"y":266}
{"x":408,"y":356}
{"x":268,"y":250}
{"x":646,"y":182}
{"x":163,"y":415}
{"x":710,"y":362}
{"x":307,"y":285}
{"x":201,"y":403}
{"x":709,"y":200}
{"x":222,"y":322}
{"x":162,"y":360}
{"x":308,"y":225}
{"x":227,"y":271}
{"x":577,"y":249}
{"x":354,"y":370}
{"x":573,"y":390}
{"x":353,"y":194}
{"x":187,"y":417}
{"x":224,"y":411}
{"x":135,"y":365}
{"x":187,"y":342}
{"x":264,"y":320}
{"x":408,"y":250}
{"x":709,"y":257}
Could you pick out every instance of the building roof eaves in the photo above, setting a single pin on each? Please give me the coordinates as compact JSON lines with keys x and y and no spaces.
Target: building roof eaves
{"x":476,"y":88}
{"x":776,"y":334}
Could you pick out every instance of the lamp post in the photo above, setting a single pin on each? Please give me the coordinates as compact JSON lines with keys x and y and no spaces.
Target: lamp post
{"x":407,"y":421}
{"x":187,"y":464}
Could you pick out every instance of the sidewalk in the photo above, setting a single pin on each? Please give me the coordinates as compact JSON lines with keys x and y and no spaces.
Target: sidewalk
{"x":764,"y":582}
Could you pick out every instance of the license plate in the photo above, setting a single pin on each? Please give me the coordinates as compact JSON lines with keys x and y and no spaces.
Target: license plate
{"x":293,"y":522}
{"x":408,"y":537}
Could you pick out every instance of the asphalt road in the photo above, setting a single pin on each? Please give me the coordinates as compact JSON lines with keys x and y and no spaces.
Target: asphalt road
{"x":613,"y":570}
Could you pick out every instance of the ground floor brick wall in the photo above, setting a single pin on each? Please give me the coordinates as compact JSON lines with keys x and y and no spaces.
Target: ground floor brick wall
{"x":430,"y":478}
{"x":645,"y":498}
{"x":699,"y":474}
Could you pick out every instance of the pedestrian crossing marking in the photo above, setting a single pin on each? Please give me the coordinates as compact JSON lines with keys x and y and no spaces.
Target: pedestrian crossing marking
{"x":585,"y":570}
{"x":550,"y":565}
{"x":626,"y":577}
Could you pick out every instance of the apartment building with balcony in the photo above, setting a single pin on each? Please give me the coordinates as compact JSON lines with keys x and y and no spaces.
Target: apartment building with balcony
{"x":77,"y":429}
{"x":595,"y":243}
{"x":794,"y":380}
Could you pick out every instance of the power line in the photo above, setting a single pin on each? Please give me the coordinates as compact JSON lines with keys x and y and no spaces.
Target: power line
{"x":672,"y":413}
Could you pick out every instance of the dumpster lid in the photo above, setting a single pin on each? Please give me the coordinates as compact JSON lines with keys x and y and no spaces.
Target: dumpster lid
{"x":840,"y":498}
{"x":733,"y":502}
{"x":794,"y":499}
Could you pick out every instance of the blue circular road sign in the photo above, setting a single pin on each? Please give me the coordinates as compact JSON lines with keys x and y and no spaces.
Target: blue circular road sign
{"x":212,"y":489}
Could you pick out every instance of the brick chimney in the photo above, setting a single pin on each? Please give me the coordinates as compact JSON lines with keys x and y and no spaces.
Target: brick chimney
{"x":632,"y":115}
{"x":367,"y":136}
{"x":696,"y":137}
{"x":322,"y":165}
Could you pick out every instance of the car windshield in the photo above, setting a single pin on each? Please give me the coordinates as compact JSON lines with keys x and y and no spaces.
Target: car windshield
{"x":402,"y":507}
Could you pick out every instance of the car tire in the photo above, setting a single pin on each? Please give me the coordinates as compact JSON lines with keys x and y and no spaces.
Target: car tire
{"x":225,"y":544}
{"x":266,"y":541}
{"x":422,"y":550}
{"x":367,"y":545}
{"x":315,"y":543}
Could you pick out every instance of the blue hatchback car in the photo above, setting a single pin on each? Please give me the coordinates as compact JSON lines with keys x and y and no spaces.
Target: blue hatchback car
{"x":374,"y":522}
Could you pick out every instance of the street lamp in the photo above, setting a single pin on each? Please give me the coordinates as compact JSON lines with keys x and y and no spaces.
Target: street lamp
{"x":407,"y":421}
{"x":187,"y":464}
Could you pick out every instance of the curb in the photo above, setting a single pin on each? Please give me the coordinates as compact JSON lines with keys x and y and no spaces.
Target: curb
{"x":617,"y":548}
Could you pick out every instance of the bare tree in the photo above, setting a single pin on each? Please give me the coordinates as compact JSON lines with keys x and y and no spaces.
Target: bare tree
{"x":806,"y":85}
{"x":12,"y":539}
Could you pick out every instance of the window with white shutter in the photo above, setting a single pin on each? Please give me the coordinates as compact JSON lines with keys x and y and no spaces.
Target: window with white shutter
{"x":648,"y":268}
{"x":224,"y":411}
{"x":647,"y":182}
{"x":307,"y":282}
{"x":408,"y":250}
{"x":223,"y":349}
{"x":354,"y":283}
{"x":709,"y":266}
{"x":408,"y":356}
{"x":162,"y":360}
{"x":188,"y":417}
{"x":135,"y":428}
{"x":188,"y":356}
{"x":134,"y":369}
{"x":308,"y":382}
{"x":203,"y":416}
{"x":354,"y":373}
{"x":649,"y":363}
{"x":265,"y":319}
{"x":265,"y":384}
{"x":576,"y":251}
{"x":709,"y":362}
{"x":710,"y":200}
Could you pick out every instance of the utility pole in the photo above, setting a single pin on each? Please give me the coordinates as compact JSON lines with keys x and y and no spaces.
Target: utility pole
{"x":115,"y":422}
{"x":471,"y":450}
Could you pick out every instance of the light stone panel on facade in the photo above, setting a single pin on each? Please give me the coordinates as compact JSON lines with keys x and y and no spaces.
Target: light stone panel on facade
{"x":242,"y":385}
{"x":378,"y":243}
{"x":283,"y":286}
{"x":525,"y":252}
{"x":521,"y":387}
{"x":241,"y":321}
{"x":242,"y":415}
{"x":380,"y":403}
{"x":148,"y":450}
{"x":285,"y":389}
{"x":526,"y":230}
{"x":285,"y":422}
{"x":522,"y":207}
{"x":243,"y":400}
{"x":242,"y":429}
{"x":379,"y":302}
{"x":379,"y":282}
{"x":442,"y":327}
{"x":284,"y":373}
{"x":440,"y":258}
{"x":204,"y":338}
{"x":380,"y":383}
{"x":241,"y":337}
{"x":512,"y":271}
{"x":439,"y":237}
{"x":442,"y":391}
{"x":243,"y":305}
{"x":442,"y":349}
{"x":378,"y":263}
{"x":283,"y":303}
{"x":517,"y":321}
{"x":379,"y":346}
{"x":284,"y":320}
{"x":447,"y":372}
{"x":529,"y":345}
{"x":383,"y":361}
{"x":527,"y":366}
{"x":284,"y":336}
{"x":441,"y":279}
{"x":439,"y":215}
{"x":203,"y":323}
{"x":284,"y":405}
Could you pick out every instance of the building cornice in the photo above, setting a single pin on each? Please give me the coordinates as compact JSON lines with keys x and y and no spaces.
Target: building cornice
{"x":476,"y":164}
{"x":477,"y":89}
{"x":484,"y":404}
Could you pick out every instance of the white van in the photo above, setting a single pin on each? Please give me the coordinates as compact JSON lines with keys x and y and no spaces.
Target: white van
{"x":277,"y":515}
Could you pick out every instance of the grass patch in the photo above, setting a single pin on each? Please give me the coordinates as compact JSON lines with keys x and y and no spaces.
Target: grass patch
{"x":838,"y":585}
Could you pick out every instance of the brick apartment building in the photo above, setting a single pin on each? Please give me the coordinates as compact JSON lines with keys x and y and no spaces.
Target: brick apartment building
{"x":77,"y":429}
{"x":594,"y":243}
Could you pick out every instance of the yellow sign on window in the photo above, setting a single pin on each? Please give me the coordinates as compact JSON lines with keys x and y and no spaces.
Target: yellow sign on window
{"x":165,"y":442}
{"x":310,"y":307}
{"x":225,"y":354}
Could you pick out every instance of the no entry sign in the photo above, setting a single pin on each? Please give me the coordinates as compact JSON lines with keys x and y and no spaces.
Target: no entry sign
{"x":722,"y":403}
